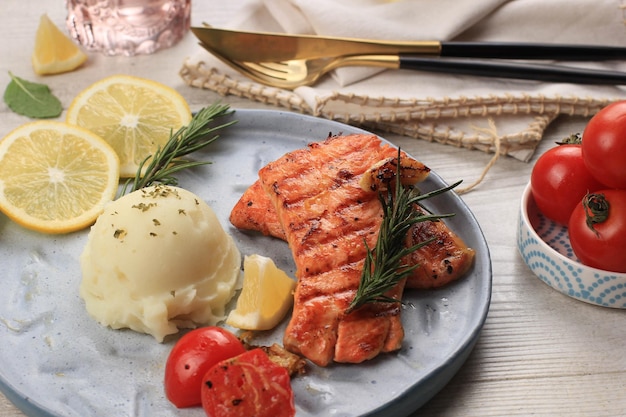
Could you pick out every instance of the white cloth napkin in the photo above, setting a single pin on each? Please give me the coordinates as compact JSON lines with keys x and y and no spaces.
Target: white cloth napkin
{"x":495,"y":115}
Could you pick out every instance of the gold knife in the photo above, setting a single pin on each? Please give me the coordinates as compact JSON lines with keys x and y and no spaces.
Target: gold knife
{"x":268,"y":47}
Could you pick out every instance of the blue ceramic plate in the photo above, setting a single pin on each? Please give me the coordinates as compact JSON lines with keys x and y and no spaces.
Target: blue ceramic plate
{"x":57,"y":361}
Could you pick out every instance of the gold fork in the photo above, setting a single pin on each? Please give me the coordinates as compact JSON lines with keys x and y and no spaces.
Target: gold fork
{"x":294,"y":73}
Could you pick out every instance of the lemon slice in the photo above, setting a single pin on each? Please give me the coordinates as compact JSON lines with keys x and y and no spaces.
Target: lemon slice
{"x":134,"y":115}
{"x":54,"y":177}
{"x":54,"y":52}
{"x":266,"y":296}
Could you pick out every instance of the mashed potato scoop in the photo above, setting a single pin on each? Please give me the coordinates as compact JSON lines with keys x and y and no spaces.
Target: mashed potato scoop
{"x":157,"y":260}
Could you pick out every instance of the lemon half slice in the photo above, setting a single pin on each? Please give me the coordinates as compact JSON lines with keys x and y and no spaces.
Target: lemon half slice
{"x":134,"y":115}
{"x":54,"y":52}
{"x":266,"y":296}
{"x":54,"y":177}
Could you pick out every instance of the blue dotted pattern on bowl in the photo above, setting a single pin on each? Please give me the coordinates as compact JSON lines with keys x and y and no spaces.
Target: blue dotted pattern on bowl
{"x":565,"y":273}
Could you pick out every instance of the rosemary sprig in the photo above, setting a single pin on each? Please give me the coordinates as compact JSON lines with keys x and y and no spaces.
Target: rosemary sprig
{"x":383,"y":267}
{"x":166,"y":161}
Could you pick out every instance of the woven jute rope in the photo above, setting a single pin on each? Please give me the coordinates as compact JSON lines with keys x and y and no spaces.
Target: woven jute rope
{"x":430,"y":118}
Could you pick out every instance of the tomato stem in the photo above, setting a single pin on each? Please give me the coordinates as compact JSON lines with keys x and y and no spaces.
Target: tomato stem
{"x":596,"y":210}
{"x":573,"y":139}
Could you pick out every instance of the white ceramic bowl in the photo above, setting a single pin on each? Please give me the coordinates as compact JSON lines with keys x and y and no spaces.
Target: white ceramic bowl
{"x":545,"y":247}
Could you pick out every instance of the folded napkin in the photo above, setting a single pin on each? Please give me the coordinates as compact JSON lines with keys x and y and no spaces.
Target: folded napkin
{"x":506,"y":117}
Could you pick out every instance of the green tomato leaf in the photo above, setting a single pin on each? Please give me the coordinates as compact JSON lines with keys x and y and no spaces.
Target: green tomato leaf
{"x":31,"y":99}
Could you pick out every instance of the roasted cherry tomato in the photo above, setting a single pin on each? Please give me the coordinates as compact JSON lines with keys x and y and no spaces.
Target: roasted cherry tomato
{"x":191,"y":357}
{"x":248,"y":385}
{"x":597,"y":230}
{"x":604,"y":145}
{"x":559,"y":180}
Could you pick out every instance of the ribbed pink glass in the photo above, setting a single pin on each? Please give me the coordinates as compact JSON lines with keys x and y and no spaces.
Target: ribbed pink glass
{"x":128,"y":27}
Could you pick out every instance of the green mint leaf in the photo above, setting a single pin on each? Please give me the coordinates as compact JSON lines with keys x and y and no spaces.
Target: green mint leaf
{"x":31,"y":99}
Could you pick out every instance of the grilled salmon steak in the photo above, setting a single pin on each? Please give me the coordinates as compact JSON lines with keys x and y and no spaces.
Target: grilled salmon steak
{"x":322,"y":202}
{"x":445,"y":259}
{"x":326,"y":216}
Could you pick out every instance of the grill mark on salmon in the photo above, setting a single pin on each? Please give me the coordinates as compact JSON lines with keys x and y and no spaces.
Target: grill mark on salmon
{"x":445,"y":259}
{"x":255,"y":211}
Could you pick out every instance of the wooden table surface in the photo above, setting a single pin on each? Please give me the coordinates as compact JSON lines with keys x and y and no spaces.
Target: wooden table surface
{"x":540,"y":352}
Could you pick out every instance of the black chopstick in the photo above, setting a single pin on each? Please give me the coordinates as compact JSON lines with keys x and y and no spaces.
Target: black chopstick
{"x":516,"y":50}
{"x":516,"y":70}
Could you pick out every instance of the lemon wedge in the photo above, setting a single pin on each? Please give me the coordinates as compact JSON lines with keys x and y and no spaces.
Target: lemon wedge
{"x":54,"y":52}
{"x":54,"y":177}
{"x":266,"y":296}
{"x":134,"y":115}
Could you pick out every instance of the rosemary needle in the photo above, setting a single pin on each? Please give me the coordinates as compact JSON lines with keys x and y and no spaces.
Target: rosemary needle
{"x":166,"y":160}
{"x":383,"y":267}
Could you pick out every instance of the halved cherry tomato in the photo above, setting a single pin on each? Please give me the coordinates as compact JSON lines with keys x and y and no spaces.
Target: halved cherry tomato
{"x":559,"y":180}
{"x":248,"y":385}
{"x":191,"y":357}
{"x":597,"y":230}
{"x":604,"y":145}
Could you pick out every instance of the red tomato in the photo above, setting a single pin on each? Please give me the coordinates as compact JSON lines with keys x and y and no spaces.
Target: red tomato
{"x":604,"y":145}
{"x":597,"y":230}
{"x":559,"y":180}
{"x":248,"y":385}
{"x":191,"y":357}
